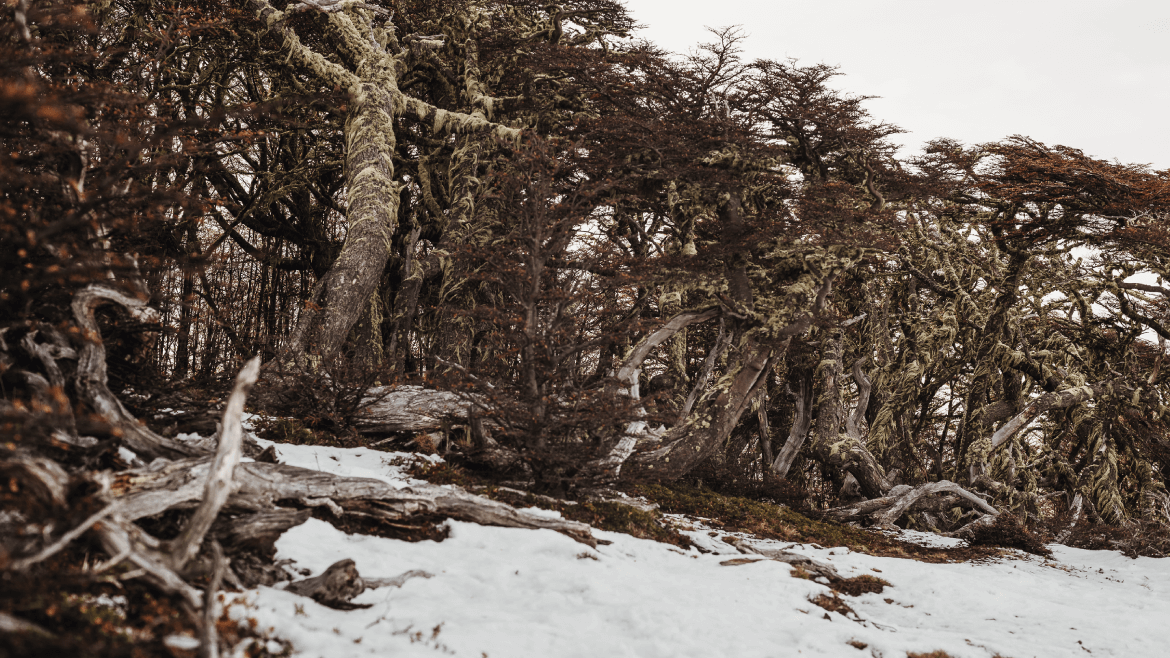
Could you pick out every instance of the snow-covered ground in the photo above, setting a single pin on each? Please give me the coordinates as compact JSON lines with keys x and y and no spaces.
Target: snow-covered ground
{"x":512,"y":593}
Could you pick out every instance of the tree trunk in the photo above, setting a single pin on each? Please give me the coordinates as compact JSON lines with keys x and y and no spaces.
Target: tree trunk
{"x":843,"y":451}
{"x":801,"y":423}
{"x":345,"y":291}
{"x":706,"y":430}
{"x":341,"y":296}
{"x":974,"y":444}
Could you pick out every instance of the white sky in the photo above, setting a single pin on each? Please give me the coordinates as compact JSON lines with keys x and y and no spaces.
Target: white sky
{"x":1093,"y":75}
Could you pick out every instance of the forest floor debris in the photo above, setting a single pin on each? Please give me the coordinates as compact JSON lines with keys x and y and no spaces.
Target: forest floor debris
{"x":517,"y":593}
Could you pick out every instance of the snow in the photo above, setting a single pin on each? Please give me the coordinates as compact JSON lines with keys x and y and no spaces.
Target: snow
{"x":389,"y":467}
{"x":515,"y":593}
{"x":183,"y":642}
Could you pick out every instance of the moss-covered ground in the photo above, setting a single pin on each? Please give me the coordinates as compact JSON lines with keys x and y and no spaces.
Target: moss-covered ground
{"x":770,"y":521}
{"x":730,"y":513}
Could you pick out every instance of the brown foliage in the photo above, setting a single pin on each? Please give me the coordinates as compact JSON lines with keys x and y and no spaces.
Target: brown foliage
{"x":1007,"y":531}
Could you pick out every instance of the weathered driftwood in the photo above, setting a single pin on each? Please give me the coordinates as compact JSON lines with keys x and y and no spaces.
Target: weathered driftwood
{"x":124,"y":540}
{"x":92,"y":382}
{"x":409,"y":409}
{"x":816,"y":568}
{"x":903,"y":498}
{"x":336,"y":587}
{"x":219,"y":484}
{"x":208,"y":635}
{"x":251,"y":540}
{"x":968,"y":531}
{"x":146,"y":492}
{"x":341,"y":582}
{"x":158,"y":563}
{"x":397,"y":581}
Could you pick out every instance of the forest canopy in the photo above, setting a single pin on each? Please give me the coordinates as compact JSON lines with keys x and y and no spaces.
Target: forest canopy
{"x":591,"y":261}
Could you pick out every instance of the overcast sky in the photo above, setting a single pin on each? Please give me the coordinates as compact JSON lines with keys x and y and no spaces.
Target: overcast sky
{"x":1091,"y":75}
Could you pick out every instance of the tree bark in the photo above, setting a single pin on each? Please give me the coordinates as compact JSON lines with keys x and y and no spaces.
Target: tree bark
{"x":836,"y":449}
{"x":220,"y":483}
{"x":705,"y":431}
{"x":91,"y":380}
{"x":610,"y":466}
{"x":146,"y":492}
{"x":410,"y":409}
{"x":341,"y":296}
{"x":801,"y":423}
{"x":973,"y":444}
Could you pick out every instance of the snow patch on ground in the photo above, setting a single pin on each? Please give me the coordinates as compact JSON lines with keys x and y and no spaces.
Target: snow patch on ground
{"x":514,"y":593}
{"x":389,"y":467}
{"x":927,"y":539}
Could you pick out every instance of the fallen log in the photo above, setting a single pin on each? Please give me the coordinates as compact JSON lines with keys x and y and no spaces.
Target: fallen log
{"x":250,"y":539}
{"x":409,"y":409}
{"x":816,"y":568}
{"x":146,"y":492}
{"x":903,"y":498}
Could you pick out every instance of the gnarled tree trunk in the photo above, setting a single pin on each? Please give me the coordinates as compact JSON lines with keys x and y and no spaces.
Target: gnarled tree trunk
{"x":345,"y":292}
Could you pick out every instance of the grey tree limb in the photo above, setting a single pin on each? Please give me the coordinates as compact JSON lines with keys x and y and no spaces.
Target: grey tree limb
{"x":902,"y":499}
{"x":146,"y":492}
{"x":219,"y":485}
{"x":92,"y":380}
{"x":799,"y":431}
{"x":55,"y":547}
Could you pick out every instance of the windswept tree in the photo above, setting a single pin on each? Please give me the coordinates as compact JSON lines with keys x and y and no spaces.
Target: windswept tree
{"x":584,"y":261}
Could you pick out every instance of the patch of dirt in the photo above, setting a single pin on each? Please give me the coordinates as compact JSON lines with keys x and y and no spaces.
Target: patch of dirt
{"x":858,"y":585}
{"x":447,"y":473}
{"x":833,"y":603}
